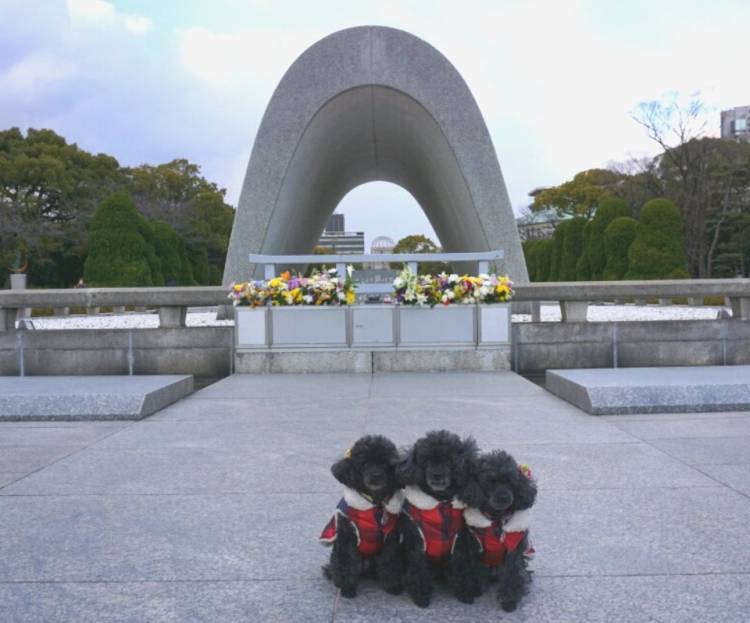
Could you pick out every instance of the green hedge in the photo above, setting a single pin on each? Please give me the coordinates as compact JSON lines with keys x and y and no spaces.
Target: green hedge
{"x":658,"y":251}
{"x":605,"y":214}
{"x":117,"y":249}
{"x":572,"y":249}
{"x":618,"y":236}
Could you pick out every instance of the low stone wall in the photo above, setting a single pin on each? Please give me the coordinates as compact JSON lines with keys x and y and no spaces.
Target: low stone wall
{"x":206,"y":352}
{"x":543,"y":346}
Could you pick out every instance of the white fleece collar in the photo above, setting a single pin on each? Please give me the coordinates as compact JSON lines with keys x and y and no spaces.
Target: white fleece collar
{"x":361,"y":503}
{"x":517,"y":522}
{"x":423,"y":501}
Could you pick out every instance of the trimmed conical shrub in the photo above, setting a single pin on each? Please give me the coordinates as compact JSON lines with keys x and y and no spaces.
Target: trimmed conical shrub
{"x":618,"y":237}
{"x":605,"y":214}
{"x":117,"y":251}
{"x":658,"y":251}
{"x":572,"y":248}
{"x":583,"y":267}
{"x":543,"y":259}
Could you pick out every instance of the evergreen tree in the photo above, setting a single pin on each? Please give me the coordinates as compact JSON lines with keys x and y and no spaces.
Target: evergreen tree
{"x":572,"y":248}
{"x":544,"y":250}
{"x":556,"y":255}
{"x":167,"y":246}
{"x":658,"y":251}
{"x":618,"y":237}
{"x":118,"y":252}
{"x":605,"y":214}
{"x":529,"y":253}
{"x":583,"y":267}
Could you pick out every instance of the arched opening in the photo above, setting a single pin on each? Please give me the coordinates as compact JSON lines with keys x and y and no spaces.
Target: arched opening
{"x":384,"y":209}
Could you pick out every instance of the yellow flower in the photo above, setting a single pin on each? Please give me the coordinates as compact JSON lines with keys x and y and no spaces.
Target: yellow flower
{"x":351,"y":297}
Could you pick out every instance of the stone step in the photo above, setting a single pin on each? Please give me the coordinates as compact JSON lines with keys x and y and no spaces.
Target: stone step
{"x":41,"y":398}
{"x":613,"y":391}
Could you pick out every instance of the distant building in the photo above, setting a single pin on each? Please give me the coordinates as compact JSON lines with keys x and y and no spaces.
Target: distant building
{"x":340,"y":241}
{"x":381,"y":244}
{"x":735,"y":123}
{"x":538,"y":225}
{"x":335,"y":223}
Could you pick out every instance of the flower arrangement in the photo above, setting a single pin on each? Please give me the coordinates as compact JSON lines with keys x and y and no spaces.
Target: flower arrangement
{"x":444,"y":289}
{"x":325,"y":288}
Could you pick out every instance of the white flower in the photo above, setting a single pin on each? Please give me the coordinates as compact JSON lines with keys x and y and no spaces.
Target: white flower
{"x":450,"y":294}
{"x":484,"y":291}
{"x":453,"y":278}
{"x":398,"y":282}
{"x":308,"y":299}
{"x":421,"y":299}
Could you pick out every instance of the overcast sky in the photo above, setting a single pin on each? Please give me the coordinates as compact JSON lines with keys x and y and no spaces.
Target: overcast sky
{"x":149,"y":81}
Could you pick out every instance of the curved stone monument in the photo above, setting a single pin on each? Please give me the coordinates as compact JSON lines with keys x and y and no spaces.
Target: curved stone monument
{"x":365,"y":104}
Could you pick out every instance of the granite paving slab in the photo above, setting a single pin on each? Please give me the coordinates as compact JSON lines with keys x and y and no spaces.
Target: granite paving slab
{"x":210,"y":510}
{"x":608,"y":391}
{"x":707,"y":451}
{"x":162,"y":537}
{"x":716,"y":426}
{"x":89,"y":397}
{"x":276,"y":601}
{"x":736,"y":476}
{"x":57,"y":433}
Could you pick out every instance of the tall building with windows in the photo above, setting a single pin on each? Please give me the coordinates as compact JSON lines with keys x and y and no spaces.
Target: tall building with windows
{"x":735,"y":123}
{"x":340,"y":241}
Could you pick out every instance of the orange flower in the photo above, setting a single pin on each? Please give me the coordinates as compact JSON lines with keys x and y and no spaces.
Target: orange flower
{"x":286,"y":275}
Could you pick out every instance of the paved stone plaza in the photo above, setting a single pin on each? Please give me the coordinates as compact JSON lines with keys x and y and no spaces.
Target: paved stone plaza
{"x":210,"y":509}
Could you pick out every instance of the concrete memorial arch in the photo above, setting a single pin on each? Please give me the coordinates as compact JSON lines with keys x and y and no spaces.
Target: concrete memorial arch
{"x":366,"y":104}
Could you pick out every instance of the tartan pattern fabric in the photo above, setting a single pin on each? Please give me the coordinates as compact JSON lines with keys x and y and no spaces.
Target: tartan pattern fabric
{"x":372,"y":526}
{"x":437,"y":526}
{"x":495,"y":543}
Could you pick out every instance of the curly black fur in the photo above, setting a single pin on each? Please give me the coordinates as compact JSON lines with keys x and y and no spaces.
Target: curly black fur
{"x":369,"y":469}
{"x":498,"y":488}
{"x":438,"y":464}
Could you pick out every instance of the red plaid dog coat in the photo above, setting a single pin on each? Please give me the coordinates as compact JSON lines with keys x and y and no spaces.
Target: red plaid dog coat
{"x":372,"y":524}
{"x":495,"y":539}
{"x":438,"y":523}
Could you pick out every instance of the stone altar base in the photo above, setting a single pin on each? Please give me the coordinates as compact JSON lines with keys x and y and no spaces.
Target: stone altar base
{"x":615,"y":391}
{"x":41,"y":398}
{"x":372,"y":361}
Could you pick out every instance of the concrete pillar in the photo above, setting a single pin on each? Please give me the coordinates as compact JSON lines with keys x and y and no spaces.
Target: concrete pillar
{"x":92,"y":311}
{"x":170,"y":317}
{"x":665,"y":301}
{"x":574,"y":311}
{"x":18,"y":282}
{"x":536,"y":311}
{"x":118,"y":309}
{"x":695,"y":301}
{"x":8,"y":318}
{"x":740,"y":308}
{"x":61,"y":311}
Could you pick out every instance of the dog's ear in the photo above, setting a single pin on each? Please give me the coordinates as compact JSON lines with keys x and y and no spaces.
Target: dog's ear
{"x":471,"y":493}
{"x":408,"y":472}
{"x":525,"y":490}
{"x":463,"y":460}
{"x":346,"y":472}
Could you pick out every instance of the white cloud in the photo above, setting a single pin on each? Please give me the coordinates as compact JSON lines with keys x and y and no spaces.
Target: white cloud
{"x":91,"y":11}
{"x":138,"y":24}
{"x":32,"y":75}
{"x":99,"y":13}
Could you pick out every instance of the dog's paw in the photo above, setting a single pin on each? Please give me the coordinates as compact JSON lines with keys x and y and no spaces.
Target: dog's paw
{"x":393,"y":589}
{"x":423,"y":601}
{"x":349,"y":591}
{"x":465,"y":598}
{"x":509,"y":605}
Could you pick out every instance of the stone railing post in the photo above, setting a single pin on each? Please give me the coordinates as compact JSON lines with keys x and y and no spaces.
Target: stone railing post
{"x":8,"y":317}
{"x":171,"y":317}
{"x":574,"y":311}
{"x":740,"y":308}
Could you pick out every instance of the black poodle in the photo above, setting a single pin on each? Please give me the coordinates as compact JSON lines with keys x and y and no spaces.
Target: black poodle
{"x":499,"y":494}
{"x":363,"y":528}
{"x":432,"y":526}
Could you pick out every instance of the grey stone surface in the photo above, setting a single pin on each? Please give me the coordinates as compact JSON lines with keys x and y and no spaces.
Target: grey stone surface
{"x":300,"y":362}
{"x":89,"y":398}
{"x":681,"y":428}
{"x":29,"y":458}
{"x":653,"y":390}
{"x":439,"y":360}
{"x":276,"y":601}
{"x":210,"y":510}
{"x":385,"y":99}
